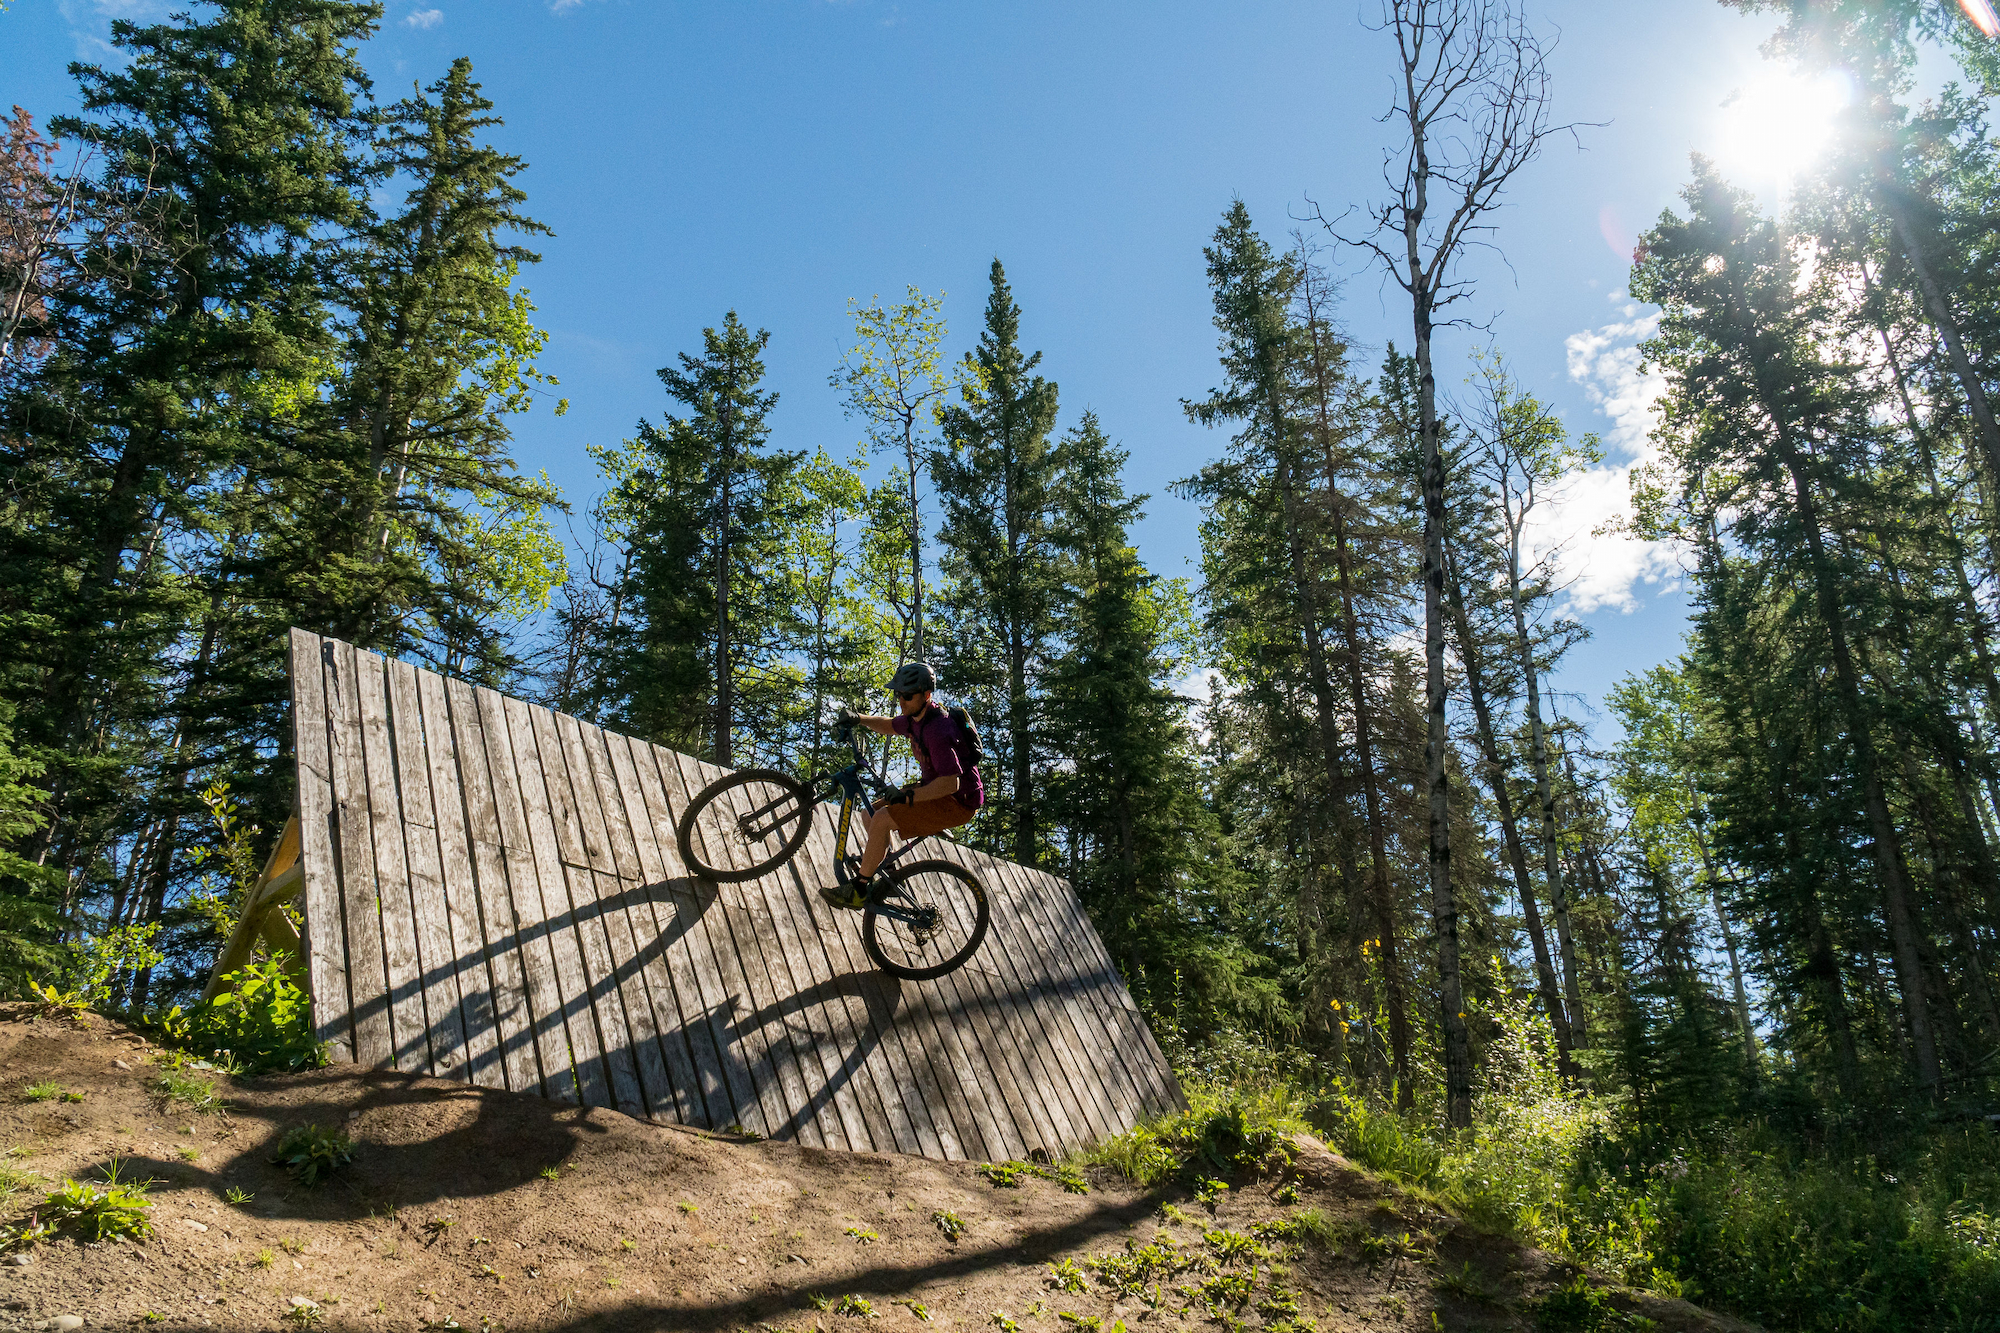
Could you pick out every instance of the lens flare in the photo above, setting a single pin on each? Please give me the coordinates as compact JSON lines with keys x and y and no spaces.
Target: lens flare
{"x":1982,"y":16}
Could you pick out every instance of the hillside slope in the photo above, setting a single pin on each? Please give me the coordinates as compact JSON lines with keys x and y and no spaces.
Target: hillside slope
{"x":466,"y":1207}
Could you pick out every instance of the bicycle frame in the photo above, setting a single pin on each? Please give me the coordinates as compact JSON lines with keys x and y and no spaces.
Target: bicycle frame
{"x":853,"y":785}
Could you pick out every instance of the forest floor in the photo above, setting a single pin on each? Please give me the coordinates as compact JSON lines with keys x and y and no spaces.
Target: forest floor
{"x":469,"y":1208}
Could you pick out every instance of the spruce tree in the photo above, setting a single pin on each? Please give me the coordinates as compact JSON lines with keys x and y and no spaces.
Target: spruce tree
{"x":995,"y":478}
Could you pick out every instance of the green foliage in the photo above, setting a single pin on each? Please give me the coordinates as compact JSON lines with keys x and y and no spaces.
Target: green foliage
{"x":113,"y":1209}
{"x":197,"y":1094}
{"x":1064,"y":1275}
{"x":948,"y":1223}
{"x":98,"y":969}
{"x":261,"y":1021}
{"x":1223,"y":1130}
{"x":48,"y":1090}
{"x":312,"y":1154}
{"x":1576,"y":1307}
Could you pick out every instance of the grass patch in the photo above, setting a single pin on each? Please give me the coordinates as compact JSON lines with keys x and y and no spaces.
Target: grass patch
{"x":175,"y":1087}
{"x":50,"y":1091}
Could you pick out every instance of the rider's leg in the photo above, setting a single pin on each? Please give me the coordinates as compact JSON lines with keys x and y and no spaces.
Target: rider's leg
{"x":880,"y":823}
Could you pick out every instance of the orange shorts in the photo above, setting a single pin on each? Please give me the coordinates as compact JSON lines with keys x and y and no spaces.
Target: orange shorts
{"x":919,"y":818}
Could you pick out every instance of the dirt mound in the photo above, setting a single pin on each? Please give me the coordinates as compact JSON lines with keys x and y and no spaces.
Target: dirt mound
{"x":466,"y":1208}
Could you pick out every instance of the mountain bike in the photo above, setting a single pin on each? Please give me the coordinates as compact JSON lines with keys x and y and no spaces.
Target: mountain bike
{"x":922,"y":919}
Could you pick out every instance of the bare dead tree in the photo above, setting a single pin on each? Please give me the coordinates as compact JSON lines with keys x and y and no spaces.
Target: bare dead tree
{"x":1472,"y":100}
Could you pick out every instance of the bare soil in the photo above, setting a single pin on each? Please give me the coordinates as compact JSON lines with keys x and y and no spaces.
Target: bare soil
{"x":466,"y":1207}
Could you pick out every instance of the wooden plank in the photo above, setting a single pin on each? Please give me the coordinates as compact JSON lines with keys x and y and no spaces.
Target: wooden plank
{"x":560,"y":802}
{"x":787,"y":976}
{"x":592,"y":932}
{"x":1087,"y":1071}
{"x":759,"y":1023}
{"x":1065,"y":1067}
{"x":836,"y":1018}
{"x":684,"y":1033}
{"x":799,"y":973}
{"x":745,"y":1032}
{"x":615,"y":895}
{"x":374,"y":1037}
{"x":437,"y":958}
{"x":533,"y":862}
{"x":1061,"y":1063}
{"x":901,"y":1064}
{"x":997,"y":1007}
{"x":652,"y":946}
{"x":528,"y":1046}
{"x":1111,"y":1084}
{"x":1038,"y":1031}
{"x":968,"y":994}
{"x":682,"y":902}
{"x":590,"y":812}
{"x":1119,"y":1012}
{"x":326,"y":934}
{"x":407,"y":1016}
{"x":478,"y":988}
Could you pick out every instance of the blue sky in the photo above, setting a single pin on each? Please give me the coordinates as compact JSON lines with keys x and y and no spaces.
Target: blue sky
{"x":778,"y":157}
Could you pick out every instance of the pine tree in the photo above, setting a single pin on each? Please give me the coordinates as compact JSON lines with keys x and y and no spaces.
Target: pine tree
{"x":995,"y":478}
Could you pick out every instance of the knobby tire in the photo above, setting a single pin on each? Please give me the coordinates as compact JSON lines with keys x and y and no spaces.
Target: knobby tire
{"x":715,"y":816}
{"x":955,"y":888}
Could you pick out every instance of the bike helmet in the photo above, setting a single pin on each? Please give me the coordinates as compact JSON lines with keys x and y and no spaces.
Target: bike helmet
{"x":913,"y":678}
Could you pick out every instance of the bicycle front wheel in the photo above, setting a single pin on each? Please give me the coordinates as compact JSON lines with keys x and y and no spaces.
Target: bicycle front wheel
{"x":925,"y":920}
{"x":744,"y":824}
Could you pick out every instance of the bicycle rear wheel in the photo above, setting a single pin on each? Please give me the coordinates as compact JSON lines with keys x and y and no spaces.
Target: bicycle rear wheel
{"x":744,"y":824}
{"x":925,"y":919}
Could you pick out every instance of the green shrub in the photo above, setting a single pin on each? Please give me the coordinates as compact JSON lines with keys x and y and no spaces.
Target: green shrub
{"x":97,"y":1212}
{"x":261,"y":1022}
{"x":1577,"y":1307}
{"x":312,"y":1154}
{"x":1224,"y":1130}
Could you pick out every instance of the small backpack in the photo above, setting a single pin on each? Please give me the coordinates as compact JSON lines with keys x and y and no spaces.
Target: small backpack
{"x":968,"y":733}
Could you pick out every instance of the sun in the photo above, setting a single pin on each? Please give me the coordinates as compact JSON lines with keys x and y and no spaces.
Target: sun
{"x":1774,"y":127}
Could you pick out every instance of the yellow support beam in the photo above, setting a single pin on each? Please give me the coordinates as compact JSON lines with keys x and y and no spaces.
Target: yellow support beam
{"x":283,"y":874}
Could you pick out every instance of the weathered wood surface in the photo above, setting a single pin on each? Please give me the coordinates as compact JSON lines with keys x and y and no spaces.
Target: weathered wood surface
{"x":492,"y":893}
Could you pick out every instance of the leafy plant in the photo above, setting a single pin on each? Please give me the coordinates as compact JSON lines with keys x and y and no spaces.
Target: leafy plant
{"x":312,"y":1154}
{"x":51,"y":1091}
{"x":1004,"y":1324}
{"x":1064,"y":1275}
{"x":1005,"y":1174}
{"x":917,"y":1308}
{"x":854,"y":1307}
{"x":1575,"y":1307}
{"x":238,"y":1196}
{"x":863,"y":1237}
{"x":114,"y":1208}
{"x":261,"y":1021}
{"x":948,"y":1223}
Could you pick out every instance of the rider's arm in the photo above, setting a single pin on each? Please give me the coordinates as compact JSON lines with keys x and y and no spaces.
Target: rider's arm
{"x":942,"y":785}
{"x":878,"y":725}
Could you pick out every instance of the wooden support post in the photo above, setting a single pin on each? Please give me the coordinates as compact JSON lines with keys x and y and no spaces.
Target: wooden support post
{"x":283,"y":874}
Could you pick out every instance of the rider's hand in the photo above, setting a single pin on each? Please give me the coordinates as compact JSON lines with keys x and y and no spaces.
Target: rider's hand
{"x":902,"y":797}
{"x":846,"y":714}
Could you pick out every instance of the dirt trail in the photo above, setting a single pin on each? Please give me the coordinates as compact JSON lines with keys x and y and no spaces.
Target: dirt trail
{"x":466,"y":1207}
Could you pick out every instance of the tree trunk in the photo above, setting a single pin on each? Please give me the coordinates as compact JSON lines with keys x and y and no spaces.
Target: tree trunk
{"x":1437,"y":739}
{"x":724,"y":722}
{"x":1517,"y":860}
{"x":1545,"y":792}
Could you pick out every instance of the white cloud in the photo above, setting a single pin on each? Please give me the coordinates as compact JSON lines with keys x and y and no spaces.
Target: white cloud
{"x":424,"y":18}
{"x":564,"y":6}
{"x":1598,"y":570}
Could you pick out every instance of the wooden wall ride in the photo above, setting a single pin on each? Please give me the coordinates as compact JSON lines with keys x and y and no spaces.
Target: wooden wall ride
{"x":492,"y":893}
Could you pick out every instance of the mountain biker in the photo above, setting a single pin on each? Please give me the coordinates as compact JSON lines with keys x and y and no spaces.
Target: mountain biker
{"x":946,"y":794}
